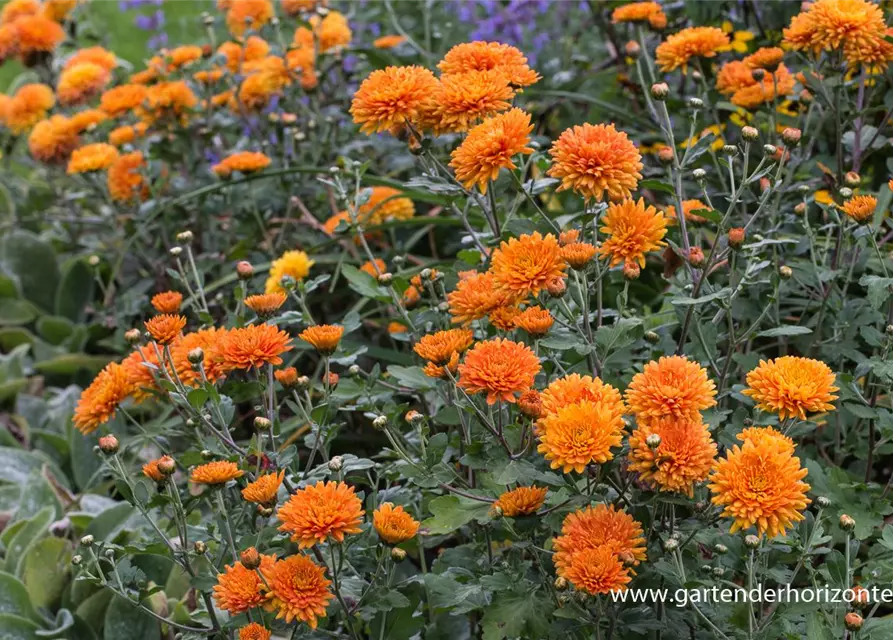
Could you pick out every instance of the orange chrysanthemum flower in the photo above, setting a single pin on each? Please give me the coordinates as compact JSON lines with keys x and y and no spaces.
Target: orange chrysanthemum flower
{"x":490,"y":147}
{"x":243,"y":162}
{"x":503,"y":318}
{"x":580,"y":434}
{"x":140,"y":367}
{"x":437,"y":371}
{"x":323,"y":337}
{"x":254,"y":631}
{"x":597,"y":571}
{"x":673,"y":386}
{"x":384,"y":204}
{"x":15,"y":9}
{"x":208,"y":341}
{"x":773,"y":85}
{"x":683,"y":458}
{"x":499,"y":367}
{"x":760,"y":484}
{"x":58,"y":10}
{"x":860,"y":208}
{"x":168,"y":100}
{"x":122,"y":99}
{"x":484,"y":56}
{"x":263,"y":490}
{"x":767,"y":58}
{"x":767,"y":436}
{"x":792,"y":386}
{"x":573,"y":388}
{"x":28,"y":106}
{"x":332,"y":30}
{"x":165,"y":328}
{"x":701,"y":42}
{"x":167,"y":301}
{"x":81,"y":82}
{"x":534,"y":320}
{"x":594,"y":160}
{"x":578,"y":254}
{"x":125,"y":135}
{"x":92,"y":157}
{"x":521,"y":501}
{"x":388,"y":42}
{"x":464,"y":99}
{"x":374,"y":268}
{"x":87,"y":119}
{"x":37,"y":34}
{"x":476,"y":297}
{"x":530,"y":404}
{"x":526,"y":265}
{"x":392,"y":97}
{"x":601,"y":526}
{"x":318,"y":512}
{"x":287,"y":377}
{"x":217,"y":472}
{"x":439,"y":347}
{"x":299,"y":590}
{"x":855,"y":26}
{"x":99,"y":402}
{"x":632,"y":229}
{"x":688,"y":206}
{"x":152,"y":471}
{"x":8,"y":41}
{"x":53,"y":140}
{"x":266,"y":304}
{"x":93,"y":55}
{"x":239,"y":589}
{"x":393,"y":524}
{"x":649,"y":12}
{"x":294,"y":264}
{"x":125,"y":179}
{"x":294,"y":7}
{"x":248,"y":14}
{"x":253,"y":346}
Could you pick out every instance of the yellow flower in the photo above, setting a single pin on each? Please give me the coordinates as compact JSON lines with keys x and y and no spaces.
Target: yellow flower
{"x":295,"y":264}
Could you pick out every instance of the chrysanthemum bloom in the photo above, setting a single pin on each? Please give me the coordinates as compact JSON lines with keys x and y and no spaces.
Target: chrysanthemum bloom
{"x":595,"y":160}
{"x":122,"y":99}
{"x":673,"y":386}
{"x":120,"y":136}
{"x":683,"y":458}
{"x":760,"y":484}
{"x":99,"y":402}
{"x":28,"y":106}
{"x":239,"y":589}
{"x":464,"y":99}
{"x":152,"y":471}
{"x":183,"y":56}
{"x":254,"y":631}
{"x":439,"y":347}
{"x":855,"y":26}
{"x":649,"y":12}
{"x":374,"y":267}
{"x":52,"y":140}
{"x":772,"y":86}
{"x":597,"y":571}
{"x":253,"y":346}
{"x":294,"y":7}
{"x":168,"y":100}
{"x":81,"y":82}
{"x":9,"y":45}
{"x":242,"y":161}
{"x":632,"y":229}
{"x":299,"y":590}
{"x":384,"y":204}
{"x":860,"y":208}
{"x":530,"y":404}
{"x":323,"y":337}
{"x":503,"y":318}
{"x":388,"y":42}
{"x":92,"y":157}
{"x":574,"y":388}
{"x":318,"y":512}
{"x":499,"y":367}
{"x":125,"y":179}
{"x":141,"y":367}
{"x":521,"y":501}
{"x":295,"y":264}
{"x":688,"y":206}
{"x":393,"y":524}
{"x":165,"y":328}
{"x":524,"y":266}
{"x":679,"y":48}
{"x":579,"y":434}
{"x":490,"y":147}
{"x":601,"y":526}
{"x":266,"y":78}
{"x":217,"y":472}
{"x":767,"y":436}
{"x":208,"y":340}
{"x":392,"y":97}
{"x":734,"y":75}
{"x":99,"y":56}
{"x":767,"y":58}
{"x":332,"y":30}
{"x":37,"y":34}
{"x":534,"y":320}
{"x":475,"y":297}
{"x":58,"y":10}
{"x":287,"y":377}
{"x":578,"y":254}
{"x":266,"y":304}
{"x":87,"y":119}
{"x":167,"y":301}
{"x":303,"y":62}
{"x":15,"y":9}
{"x":440,"y":371}
{"x":483,"y":56}
{"x":263,"y":490}
{"x":248,"y":14}
{"x":792,"y":386}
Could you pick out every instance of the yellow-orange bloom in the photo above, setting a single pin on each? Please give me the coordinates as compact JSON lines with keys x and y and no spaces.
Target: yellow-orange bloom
{"x":579,"y":434}
{"x":464,"y":99}
{"x":388,"y":41}
{"x":92,"y":157}
{"x":573,"y":388}
{"x":167,"y":301}
{"x":37,"y":34}
{"x":254,"y":631}
{"x":679,"y":48}
{"x":53,"y":140}
{"x":125,"y":179}
{"x":393,"y":524}
{"x":15,"y":9}
{"x":299,"y":590}
{"x":792,"y":386}
{"x":632,"y":229}
{"x":99,"y":402}
{"x":521,"y":501}
{"x":578,"y":254}
{"x":499,"y":367}
{"x":217,"y":472}
{"x":483,"y":56}
{"x":239,"y":589}
{"x":122,"y":99}
{"x":295,"y":264}
{"x":673,"y":386}
{"x":374,"y":268}
{"x":760,"y":484}
{"x":683,"y":458}
{"x":767,"y":58}
{"x":165,"y":328}
{"x":688,"y":206}
{"x":595,"y":160}
{"x":490,"y":147}
{"x":534,"y":320}
{"x":140,"y":367}
{"x":243,"y":162}
{"x":263,"y":490}
{"x":248,"y":14}
{"x":58,"y":10}
{"x":294,"y":7}
{"x":860,"y":208}
{"x":168,"y":100}
{"x":855,"y":26}
{"x":253,"y":346}
{"x":384,"y":204}
{"x":323,"y":337}
{"x":93,"y":55}
{"x":332,"y":30}
{"x":392,"y":97}
{"x":318,"y":512}
{"x":124,"y":135}
{"x":152,"y":471}
{"x":649,"y":12}
{"x":439,"y":347}
{"x":597,"y":571}
{"x":87,"y":119}
{"x":475,"y":297}
{"x":265,"y":304}
{"x":27,"y":107}
{"x":208,"y":340}
{"x":81,"y":82}
{"x":503,"y":318}
{"x":526,"y":265}
{"x":761,"y":436}
{"x":601,"y":526}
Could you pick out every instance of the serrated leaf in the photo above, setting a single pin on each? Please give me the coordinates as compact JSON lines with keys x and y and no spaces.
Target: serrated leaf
{"x":787,"y":330}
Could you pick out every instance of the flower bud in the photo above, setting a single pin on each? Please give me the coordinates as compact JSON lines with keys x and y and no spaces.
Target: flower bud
{"x":288,"y":283}
{"x":652,"y":337}
{"x":696,"y":75}
{"x":852,"y":179}
{"x":262,"y":424}
{"x":166,"y":465}
{"x":751,"y":541}
{"x":87,"y":541}
{"x":332,"y":379}
{"x":133,"y":336}
{"x":380,"y":422}
{"x":631,"y":270}
{"x":108,"y":444}
{"x":785,"y":272}
{"x":385,"y":279}
{"x":633,"y":49}
{"x":653,"y":441}
{"x":176,"y":251}
{"x":805,"y":96}
{"x":730,"y":150}
{"x":93,"y":261}
{"x":718,"y":572}
{"x":671,"y":545}
{"x":336,"y":464}
{"x":398,"y":554}
{"x":354,"y":370}
{"x":200,"y":547}
{"x":303,"y":382}
{"x":770,"y":149}
{"x":250,"y":558}
{"x":853,"y":621}
{"x":695,"y":103}
{"x":758,"y":74}
{"x":76,"y":560}
{"x":845,"y":193}
{"x":244,"y":269}
{"x":736,"y":237}
{"x":207,"y":19}
{"x":800,"y":208}
{"x":861,"y":597}
{"x":720,"y":548}
{"x":109,"y":553}
{"x":699,"y":175}
{"x":495,"y":512}
{"x":556,"y":287}
{"x":660,"y":91}
{"x":791,"y":136}
{"x":265,"y":512}
{"x":823,"y":502}
{"x":665,"y":155}
{"x":184,"y":237}
{"x":530,"y":404}
{"x":413,"y":417}
{"x":696,"y":256}
{"x":847,"y":523}
{"x":750,"y":134}
{"x":195,"y":356}
{"x":560,"y":583}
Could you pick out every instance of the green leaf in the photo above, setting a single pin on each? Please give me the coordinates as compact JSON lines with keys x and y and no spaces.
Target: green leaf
{"x":878,"y":289}
{"x":125,"y":621}
{"x":197,"y":398}
{"x":54,"y":329}
{"x":45,"y":569}
{"x":37,"y":494}
{"x":514,"y":616}
{"x":450,"y":513}
{"x":13,"y":627}
{"x":412,"y":377}
{"x":363,"y":283}
{"x":683,"y":301}
{"x":861,"y":410}
{"x":698,"y":149}
{"x":33,"y":263}
{"x":12,"y":337}
{"x":13,"y":311}
{"x":787,"y":330}
{"x":70,"y":363}
{"x":14,"y":597}
{"x":16,"y":465}
{"x":708,"y":214}
{"x":33,"y":529}
{"x":75,"y":291}
{"x":657,"y":185}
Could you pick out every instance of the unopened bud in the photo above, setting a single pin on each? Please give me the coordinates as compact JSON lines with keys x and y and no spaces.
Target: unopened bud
{"x":332,"y":379}
{"x":660,"y":91}
{"x":730,"y":150}
{"x":495,"y":512}
{"x":207,"y":19}
{"x":195,"y":356}
{"x":721,"y":549}
{"x":852,"y":179}
{"x":176,"y":251}
{"x":632,"y":49}
{"x":385,"y":279}
{"x":108,"y":444}
{"x":631,"y":270}
{"x":250,"y":558}
{"x":93,"y":261}
{"x":336,"y":464}
{"x":853,"y":621}
{"x":413,"y":417}
{"x":380,"y":422}
{"x":354,"y":370}
{"x":653,"y":441}
{"x":758,"y":74}
{"x":845,"y":192}
{"x":770,"y":149}
{"x":262,"y":424}
{"x":166,"y":465}
{"x":76,"y":560}
{"x":244,"y":269}
{"x":288,"y":283}
{"x":133,"y":336}
{"x":671,"y":545}
{"x":750,"y":134}
{"x":303,"y":382}
{"x":87,"y":540}
{"x":823,"y":502}
{"x":556,"y":287}
{"x":696,"y":256}
{"x":751,"y":541}
{"x":791,"y":136}
{"x":665,"y":155}
{"x":805,"y":96}
{"x":265,"y":512}
{"x":652,"y":337}
{"x":736,"y":237}
{"x":695,"y":103}
{"x":718,"y":572}
{"x":699,"y":175}
{"x":785,"y":272}
{"x":560,"y":583}
{"x":398,"y":554}
{"x":847,"y":523}
{"x":184,"y":237}
{"x":800,"y":208}
{"x":200,"y":547}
